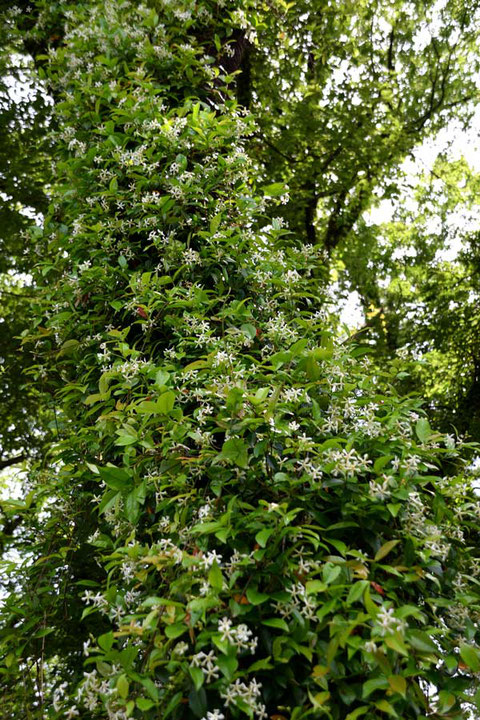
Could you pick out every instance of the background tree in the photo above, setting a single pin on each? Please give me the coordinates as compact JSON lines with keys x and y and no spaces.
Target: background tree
{"x":342,"y":95}
{"x":423,"y":296}
{"x":24,"y":109}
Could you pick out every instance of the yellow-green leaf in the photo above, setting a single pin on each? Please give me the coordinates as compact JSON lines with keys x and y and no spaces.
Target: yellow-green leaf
{"x":398,"y":684}
{"x":385,"y":706}
{"x":395,"y":642}
{"x":122,"y":686}
{"x":385,"y":549}
{"x":358,"y":712}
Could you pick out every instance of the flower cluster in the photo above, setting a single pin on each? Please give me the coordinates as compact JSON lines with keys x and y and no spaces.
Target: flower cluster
{"x":240,"y":636}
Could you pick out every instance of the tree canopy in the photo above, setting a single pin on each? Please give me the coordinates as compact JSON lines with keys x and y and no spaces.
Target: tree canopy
{"x":231,"y":506}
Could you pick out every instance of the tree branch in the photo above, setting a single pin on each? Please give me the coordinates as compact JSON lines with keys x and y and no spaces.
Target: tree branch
{"x":8,"y":462}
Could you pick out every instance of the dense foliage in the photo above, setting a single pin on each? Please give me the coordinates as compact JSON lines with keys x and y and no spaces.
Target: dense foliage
{"x":23,"y":176}
{"x":238,"y":514}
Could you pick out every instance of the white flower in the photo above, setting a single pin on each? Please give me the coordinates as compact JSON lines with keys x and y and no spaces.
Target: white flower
{"x":248,"y":693}
{"x":292,"y":394}
{"x":204,"y":588}
{"x":380,"y":490}
{"x":210,"y":558}
{"x":261,"y":712}
{"x":225,"y":627}
{"x":230,"y":695}
{"x":72,"y":712}
{"x":207,"y":663}
{"x":180,"y":648}
{"x":222,"y":357}
{"x":204,"y":512}
{"x":243,"y":635}
{"x":449,"y":441}
{"x":411,"y":464}
{"x":215,"y":715}
{"x":388,"y":622}
{"x":191,"y":257}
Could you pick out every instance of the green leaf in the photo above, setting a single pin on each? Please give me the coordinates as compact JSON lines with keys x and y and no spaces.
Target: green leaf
{"x":43,"y":632}
{"x":378,"y":683}
{"x":148,"y":407}
{"x":330,"y":573}
{"x":214,"y":223}
{"x":260,"y":396}
{"x":315,"y":586}
{"x":274,"y":189}
{"x":380,"y":462}
{"x":174,"y":631}
{"x":116,"y":478}
{"x":394,"y":508}
{"x":228,"y":665}
{"x":215,"y":577}
{"x":263,"y":664}
{"x":370,"y":606}
{"x":358,"y":712}
{"x":96,"y":397}
{"x":125,"y":438}
{"x":166,"y":402}
{"x":422,"y":642}
{"x":235,"y":450}
{"x":319,"y":698}
{"x":197,"y":676}
{"x":277,"y":623}
{"x":197,"y":701}
{"x":312,"y":368}
{"x":106,"y":641}
{"x":161,"y":378}
{"x":234,"y":400}
{"x":262,"y":536}
{"x":150,"y":687}
{"x":446,"y":701}
{"x":470,"y":656}
{"x":132,"y":508}
{"x":249,"y":330}
{"x":174,"y":702}
{"x":68,"y":348}
{"x":182,"y":161}
{"x":423,"y":429}
{"x":356,"y":591}
{"x":298,"y":347}
{"x":144,"y":703}
{"x":255,"y":597}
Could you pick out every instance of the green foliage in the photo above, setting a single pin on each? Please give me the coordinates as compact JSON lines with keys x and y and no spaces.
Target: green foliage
{"x":365,"y":83}
{"x":239,"y":516}
{"x":422,"y":300}
{"x":23,"y":175}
